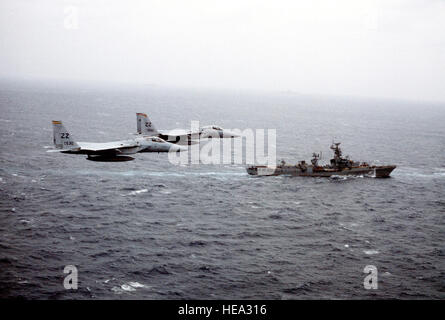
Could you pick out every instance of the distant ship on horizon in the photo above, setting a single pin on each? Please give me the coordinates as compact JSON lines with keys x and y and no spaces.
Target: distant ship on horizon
{"x":339,"y":166}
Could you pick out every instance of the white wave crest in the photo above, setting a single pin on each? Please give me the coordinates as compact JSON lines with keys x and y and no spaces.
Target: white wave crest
{"x":132,"y":193}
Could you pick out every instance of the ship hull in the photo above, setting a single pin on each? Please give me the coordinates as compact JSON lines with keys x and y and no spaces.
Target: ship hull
{"x":374,"y":171}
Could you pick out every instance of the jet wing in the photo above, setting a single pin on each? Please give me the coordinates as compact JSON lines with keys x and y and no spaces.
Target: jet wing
{"x":104,"y":146}
{"x":177,"y":133}
{"x":115,"y":147}
{"x":179,"y":136}
{"x":60,"y":150}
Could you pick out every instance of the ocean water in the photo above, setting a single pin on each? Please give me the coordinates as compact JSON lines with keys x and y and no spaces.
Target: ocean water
{"x":148,"y":229}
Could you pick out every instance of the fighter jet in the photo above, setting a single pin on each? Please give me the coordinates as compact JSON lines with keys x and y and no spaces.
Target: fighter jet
{"x":64,"y":143}
{"x":146,"y":127}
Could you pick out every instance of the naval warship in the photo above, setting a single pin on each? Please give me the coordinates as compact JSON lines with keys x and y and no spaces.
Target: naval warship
{"x":339,"y":166}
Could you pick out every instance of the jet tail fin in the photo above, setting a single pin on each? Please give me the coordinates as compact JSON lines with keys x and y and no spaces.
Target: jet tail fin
{"x":144,"y":125}
{"x":62,"y":138}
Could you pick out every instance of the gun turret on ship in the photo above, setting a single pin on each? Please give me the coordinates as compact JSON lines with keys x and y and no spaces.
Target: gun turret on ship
{"x":338,"y":166}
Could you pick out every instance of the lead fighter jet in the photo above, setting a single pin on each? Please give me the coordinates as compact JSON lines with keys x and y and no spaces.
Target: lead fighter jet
{"x":64,"y":143}
{"x":146,"y":127}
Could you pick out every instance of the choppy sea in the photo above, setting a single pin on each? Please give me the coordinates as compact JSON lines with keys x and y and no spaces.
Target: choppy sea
{"x":149,"y":229}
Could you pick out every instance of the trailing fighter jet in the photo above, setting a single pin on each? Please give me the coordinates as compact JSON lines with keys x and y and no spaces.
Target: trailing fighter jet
{"x":64,"y":143}
{"x":146,"y":127}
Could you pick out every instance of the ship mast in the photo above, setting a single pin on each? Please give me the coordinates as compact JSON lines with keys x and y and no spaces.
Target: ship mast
{"x":314,"y":159}
{"x":338,"y":162}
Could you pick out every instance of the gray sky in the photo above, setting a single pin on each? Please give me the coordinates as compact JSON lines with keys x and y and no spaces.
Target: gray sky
{"x":389,"y":48}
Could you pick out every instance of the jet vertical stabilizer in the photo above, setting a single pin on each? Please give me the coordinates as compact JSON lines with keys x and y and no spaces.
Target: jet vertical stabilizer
{"x":145,"y":126}
{"x":62,"y":138}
